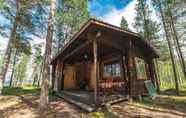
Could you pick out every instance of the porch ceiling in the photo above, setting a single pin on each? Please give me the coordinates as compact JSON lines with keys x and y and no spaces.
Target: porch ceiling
{"x":86,"y":53}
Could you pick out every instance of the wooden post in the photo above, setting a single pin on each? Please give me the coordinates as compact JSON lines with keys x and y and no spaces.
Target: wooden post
{"x":152,"y":72}
{"x":123,"y":68}
{"x":95,"y":53}
{"x":131,"y":73}
{"x":147,"y":71}
{"x":153,"y":75}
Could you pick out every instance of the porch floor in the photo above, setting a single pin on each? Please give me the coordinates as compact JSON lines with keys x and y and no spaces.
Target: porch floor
{"x":82,"y":99}
{"x":85,"y":99}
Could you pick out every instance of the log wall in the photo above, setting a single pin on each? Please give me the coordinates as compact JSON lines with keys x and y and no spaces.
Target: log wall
{"x":70,"y":76}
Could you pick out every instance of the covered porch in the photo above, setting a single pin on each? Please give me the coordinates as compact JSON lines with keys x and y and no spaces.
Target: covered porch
{"x":103,"y":63}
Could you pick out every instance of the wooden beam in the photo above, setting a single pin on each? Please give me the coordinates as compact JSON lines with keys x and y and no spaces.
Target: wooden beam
{"x":78,"y":48}
{"x":131,"y":72}
{"x":147,"y":71}
{"x":123,"y":68}
{"x":95,"y":75}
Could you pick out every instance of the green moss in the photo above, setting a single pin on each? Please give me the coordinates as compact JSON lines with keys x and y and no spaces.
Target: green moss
{"x":97,"y":115}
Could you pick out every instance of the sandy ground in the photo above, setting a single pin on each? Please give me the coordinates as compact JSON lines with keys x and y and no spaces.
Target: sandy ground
{"x":139,"y":111}
{"x":26,"y":106}
{"x":162,"y":107}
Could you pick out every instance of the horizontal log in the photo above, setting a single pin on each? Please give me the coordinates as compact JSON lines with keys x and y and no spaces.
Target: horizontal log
{"x":78,"y":48}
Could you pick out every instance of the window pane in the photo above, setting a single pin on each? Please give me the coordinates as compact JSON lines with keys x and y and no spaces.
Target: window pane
{"x":140,"y":67}
{"x":112,"y":70}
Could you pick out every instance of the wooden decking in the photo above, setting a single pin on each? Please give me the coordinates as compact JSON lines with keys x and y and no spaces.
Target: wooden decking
{"x":82,"y":99}
{"x":85,"y":99}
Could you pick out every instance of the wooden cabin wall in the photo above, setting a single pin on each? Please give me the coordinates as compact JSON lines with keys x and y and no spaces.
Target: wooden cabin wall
{"x":69,"y":77}
{"x":92,"y":80}
{"x":70,"y":81}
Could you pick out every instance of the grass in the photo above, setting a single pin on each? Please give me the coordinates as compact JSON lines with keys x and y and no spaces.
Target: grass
{"x":169,"y":89}
{"x":7,"y":91}
{"x":34,"y":90}
{"x":168,"y":99}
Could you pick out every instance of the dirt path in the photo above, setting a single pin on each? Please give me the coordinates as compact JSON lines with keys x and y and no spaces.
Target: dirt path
{"x":161,"y":107}
{"x":27,"y":107}
{"x":140,"y":111}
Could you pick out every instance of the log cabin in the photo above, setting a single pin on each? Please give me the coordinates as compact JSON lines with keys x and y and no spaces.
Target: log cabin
{"x":103,"y":63}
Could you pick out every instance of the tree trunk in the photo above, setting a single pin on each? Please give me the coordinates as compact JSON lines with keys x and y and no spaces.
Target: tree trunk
{"x":34,"y":74}
{"x":177,"y":43}
{"x":13,"y":68}
{"x":46,"y":69}
{"x":170,"y":49}
{"x":40,"y":73}
{"x":7,"y":54}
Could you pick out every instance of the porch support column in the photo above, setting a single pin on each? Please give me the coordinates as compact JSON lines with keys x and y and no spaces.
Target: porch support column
{"x":131,"y":71}
{"x":95,"y":51}
{"x":153,"y":75}
{"x":147,"y":71}
{"x":123,"y":68}
{"x":96,"y":74}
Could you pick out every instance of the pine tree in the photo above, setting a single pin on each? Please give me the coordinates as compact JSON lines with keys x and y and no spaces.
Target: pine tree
{"x":36,"y":64}
{"x":21,"y":69}
{"x":20,"y":46}
{"x":70,"y":16}
{"x":124,"y":24}
{"x":159,"y":5}
{"x":170,"y":6}
{"x":147,"y":28}
{"x":18,"y":12}
{"x":47,"y":57}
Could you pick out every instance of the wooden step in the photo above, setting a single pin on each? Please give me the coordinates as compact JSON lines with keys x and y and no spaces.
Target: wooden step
{"x":86,"y":98}
{"x":79,"y":104}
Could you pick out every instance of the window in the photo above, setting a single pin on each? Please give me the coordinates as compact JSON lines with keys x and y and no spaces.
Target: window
{"x":140,"y":68}
{"x":112,"y":70}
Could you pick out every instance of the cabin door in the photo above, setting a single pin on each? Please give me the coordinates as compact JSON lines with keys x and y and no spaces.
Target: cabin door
{"x":83,"y":75}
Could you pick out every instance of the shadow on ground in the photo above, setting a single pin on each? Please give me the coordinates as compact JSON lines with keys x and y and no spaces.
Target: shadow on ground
{"x":24,"y":103}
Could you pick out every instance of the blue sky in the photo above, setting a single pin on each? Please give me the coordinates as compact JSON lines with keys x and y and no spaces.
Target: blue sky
{"x":99,"y":8}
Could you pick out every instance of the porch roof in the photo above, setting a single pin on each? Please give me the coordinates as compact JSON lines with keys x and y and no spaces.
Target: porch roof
{"x":93,"y":26}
